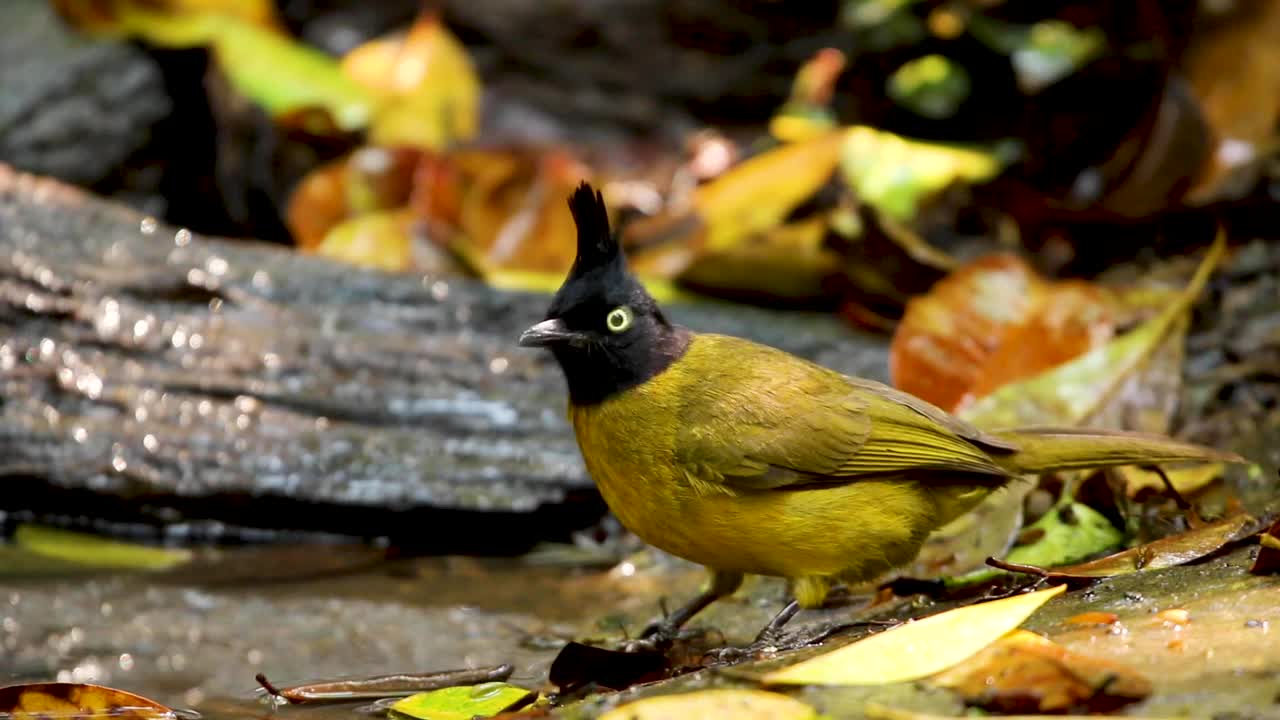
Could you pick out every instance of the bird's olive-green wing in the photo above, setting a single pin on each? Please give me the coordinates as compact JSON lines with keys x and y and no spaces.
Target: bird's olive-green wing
{"x":758,"y":418}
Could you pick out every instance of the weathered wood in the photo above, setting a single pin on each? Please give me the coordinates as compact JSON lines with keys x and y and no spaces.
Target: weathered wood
{"x":192,"y":373}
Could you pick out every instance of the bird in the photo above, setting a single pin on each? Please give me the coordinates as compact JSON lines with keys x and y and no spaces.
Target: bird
{"x":749,"y":460}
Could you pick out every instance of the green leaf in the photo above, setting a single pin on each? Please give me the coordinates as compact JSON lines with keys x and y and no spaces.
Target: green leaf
{"x":464,"y":702}
{"x":896,"y":175}
{"x":276,"y":72}
{"x":931,"y":86}
{"x":917,"y":649}
{"x":1071,"y":532}
{"x":91,"y":550}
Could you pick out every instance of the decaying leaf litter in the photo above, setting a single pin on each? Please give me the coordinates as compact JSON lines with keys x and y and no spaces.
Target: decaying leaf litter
{"x":410,"y":200}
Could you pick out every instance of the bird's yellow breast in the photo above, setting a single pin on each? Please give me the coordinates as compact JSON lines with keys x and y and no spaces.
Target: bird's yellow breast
{"x":854,"y":530}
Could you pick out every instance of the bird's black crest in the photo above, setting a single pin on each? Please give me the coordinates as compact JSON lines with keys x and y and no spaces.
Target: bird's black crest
{"x":596,"y":244}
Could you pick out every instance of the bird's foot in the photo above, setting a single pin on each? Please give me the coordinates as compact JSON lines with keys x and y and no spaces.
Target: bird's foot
{"x":657,"y":636}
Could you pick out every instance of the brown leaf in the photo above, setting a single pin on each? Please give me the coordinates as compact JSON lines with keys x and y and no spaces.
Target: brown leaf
{"x":70,"y":701}
{"x":990,"y":323}
{"x":1024,"y":672}
{"x":1163,"y":553}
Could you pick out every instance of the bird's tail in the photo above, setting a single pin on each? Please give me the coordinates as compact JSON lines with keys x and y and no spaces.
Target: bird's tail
{"x":1049,"y":449}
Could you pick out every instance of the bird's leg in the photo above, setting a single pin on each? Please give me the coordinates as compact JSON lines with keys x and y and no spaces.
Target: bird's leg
{"x":773,"y":629}
{"x":722,"y":584}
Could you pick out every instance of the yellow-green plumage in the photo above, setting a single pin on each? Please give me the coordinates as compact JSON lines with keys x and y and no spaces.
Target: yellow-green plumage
{"x":746,"y":459}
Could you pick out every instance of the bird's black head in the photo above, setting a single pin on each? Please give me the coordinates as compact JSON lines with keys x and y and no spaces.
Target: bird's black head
{"x":604,"y":329}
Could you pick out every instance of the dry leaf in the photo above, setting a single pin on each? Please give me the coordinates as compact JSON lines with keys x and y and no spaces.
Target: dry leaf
{"x":721,"y":704}
{"x":1138,"y":481}
{"x":380,"y":240}
{"x":1166,"y":552}
{"x":917,"y":649}
{"x":1024,"y":672}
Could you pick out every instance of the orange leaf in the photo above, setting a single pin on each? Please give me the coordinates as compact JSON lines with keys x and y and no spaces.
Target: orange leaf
{"x":317,"y":204}
{"x":992,"y":322}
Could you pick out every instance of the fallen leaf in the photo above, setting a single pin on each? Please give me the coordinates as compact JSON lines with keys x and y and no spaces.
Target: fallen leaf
{"x":1024,"y":672}
{"x":757,"y":195}
{"x":1094,"y":617}
{"x":1139,"y":481}
{"x":1268,"y":560}
{"x":720,"y":704}
{"x":787,"y":263}
{"x":1106,"y":379}
{"x":96,"y":551}
{"x":385,"y":686}
{"x":931,"y":86}
{"x":917,"y":649}
{"x":429,"y":86}
{"x":992,"y":322}
{"x":1174,"y":617}
{"x":103,"y":16}
{"x":896,"y":175}
{"x":380,"y":240}
{"x":77,"y":701}
{"x":318,"y":203}
{"x":1066,"y":534}
{"x":578,"y":665}
{"x":464,"y":702}
{"x":276,"y":72}
{"x":807,"y":113}
{"x":1163,"y":553}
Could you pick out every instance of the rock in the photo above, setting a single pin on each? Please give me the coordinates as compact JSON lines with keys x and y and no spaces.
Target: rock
{"x":153,"y":375}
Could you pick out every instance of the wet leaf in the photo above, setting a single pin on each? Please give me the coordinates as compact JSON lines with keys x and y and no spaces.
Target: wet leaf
{"x":992,"y":322}
{"x":1066,"y":534}
{"x":1079,"y":391}
{"x":96,"y":551}
{"x":720,"y":704}
{"x":430,"y":89}
{"x":917,"y":649}
{"x":465,"y":702}
{"x":1138,"y":481}
{"x":1024,"y":672}
{"x":578,"y":665}
{"x":1163,"y":553}
{"x":931,"y":86}
{"x":381,"y":240}
{"x":384,"y":686}
{"x":1268,"y":560}
{"x":78,"y":701}
{"x":896,"y":175}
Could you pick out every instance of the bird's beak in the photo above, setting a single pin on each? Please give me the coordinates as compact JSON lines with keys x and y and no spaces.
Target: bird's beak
{"x":546,"y":333}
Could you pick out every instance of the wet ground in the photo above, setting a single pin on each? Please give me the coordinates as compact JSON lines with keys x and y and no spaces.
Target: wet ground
{"x":198,"y":643}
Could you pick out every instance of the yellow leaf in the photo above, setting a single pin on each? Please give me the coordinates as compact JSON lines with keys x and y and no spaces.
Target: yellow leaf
{"x":875,"y":711}
{"x":1186,"y":480}
{"x":379,"y":240}
{"x":894,"y":174}
{"x":723,"y":704}
{"x":757,"y":195}
{"x":95,"y":551}
{"x":430,"y":88}
{"x":464,"y":702}
{"x":917,"y":649}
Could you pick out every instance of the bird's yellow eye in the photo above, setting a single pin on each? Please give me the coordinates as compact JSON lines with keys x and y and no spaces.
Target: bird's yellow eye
{"x":619,"y":319}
